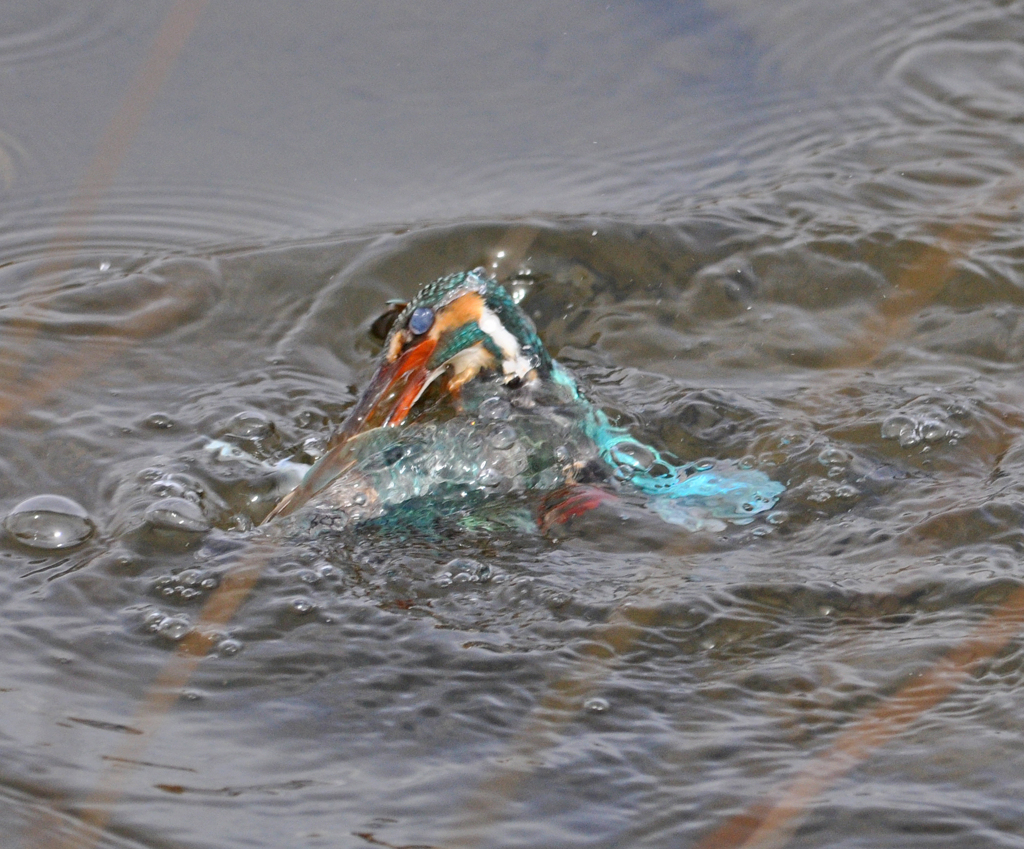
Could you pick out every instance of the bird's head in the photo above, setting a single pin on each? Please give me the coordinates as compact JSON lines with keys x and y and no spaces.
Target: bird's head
{"x":454,"y":329}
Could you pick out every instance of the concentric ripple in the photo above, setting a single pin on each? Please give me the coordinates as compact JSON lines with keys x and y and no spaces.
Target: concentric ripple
{"x":57,"y":30}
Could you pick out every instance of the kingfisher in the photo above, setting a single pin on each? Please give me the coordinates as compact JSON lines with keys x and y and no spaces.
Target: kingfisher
{"x":466,"y":404}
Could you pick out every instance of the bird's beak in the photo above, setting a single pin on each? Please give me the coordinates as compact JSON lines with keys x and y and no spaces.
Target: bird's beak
{"x":386,"y":401}
{"x":391,"y":393}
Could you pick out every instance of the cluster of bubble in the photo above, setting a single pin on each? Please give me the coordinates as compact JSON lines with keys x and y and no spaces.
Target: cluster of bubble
{"x":174,"y":627}
{"x":498,"y":449}
{"x":179,"y":502}
{"x":464,"y":570}
{"x":910,"y":430}
{"x":187,"y":584}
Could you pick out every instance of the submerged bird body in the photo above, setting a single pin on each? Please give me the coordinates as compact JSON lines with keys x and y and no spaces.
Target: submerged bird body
{"x":520,"y":425}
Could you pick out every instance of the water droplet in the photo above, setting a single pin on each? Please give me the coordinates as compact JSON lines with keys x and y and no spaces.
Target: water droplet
{"x":301,"y":606}
{"x":176,"y":514}
{"x":359,"y":498}
{"x":49,"y":522}
{"x":502,"y":437}
{"x":596,"y":705}
{"x":495,"y":409}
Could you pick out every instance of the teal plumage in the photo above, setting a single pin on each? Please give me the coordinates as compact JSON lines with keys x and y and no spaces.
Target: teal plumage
{"x":521,"y":425}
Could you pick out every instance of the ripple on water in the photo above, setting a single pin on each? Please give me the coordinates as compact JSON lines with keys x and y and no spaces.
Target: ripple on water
{"x":149,"y":217}
{"x":980,"y":80}
{"x":114,"y":296}
{"x":441,"y":647}
{"x":36,"y":33}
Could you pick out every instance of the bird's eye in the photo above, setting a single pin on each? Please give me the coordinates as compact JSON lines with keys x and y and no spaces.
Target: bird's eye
{"x":421,"y":320}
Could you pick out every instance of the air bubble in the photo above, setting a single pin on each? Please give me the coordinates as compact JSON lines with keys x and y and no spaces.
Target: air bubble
{"x":228,"y":647}
{"x":495,"y":409}
{"x":159,"y":421}
{"x":903,"y":429}
{"x":490,"y":477}
{"x":176,"y":514}
{"x":302,"y":606}
{"x":633,"y":455}
{"x":933,"y":431}
{"x":314,"y":447}
{"x":596,"y":705}
{"x":174,"y":628}
{"x":833,"y":455}
{"x":250,"y":424}
{"x":49,"y":522}
{"x":502,"y":437}
{"x":176,"y":486}
{"x":462,"y":564}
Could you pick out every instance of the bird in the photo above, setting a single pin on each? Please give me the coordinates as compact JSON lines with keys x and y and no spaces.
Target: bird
{"x":504,"y":419}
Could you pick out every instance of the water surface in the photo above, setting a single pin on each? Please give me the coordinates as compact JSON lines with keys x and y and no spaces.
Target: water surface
{"x":784,"y":236}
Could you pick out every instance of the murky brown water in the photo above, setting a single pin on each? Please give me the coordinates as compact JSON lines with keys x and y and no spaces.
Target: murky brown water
{"x":783,"y":234}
